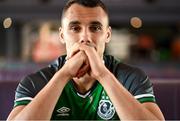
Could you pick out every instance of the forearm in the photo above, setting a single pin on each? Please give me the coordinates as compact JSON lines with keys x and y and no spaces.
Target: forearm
{"x":42,"y":106}
{"x":127,"y":107}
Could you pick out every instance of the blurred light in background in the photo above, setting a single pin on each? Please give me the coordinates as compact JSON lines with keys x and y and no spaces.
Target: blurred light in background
{"x":136,"y":22}
{"x":7,"y":23}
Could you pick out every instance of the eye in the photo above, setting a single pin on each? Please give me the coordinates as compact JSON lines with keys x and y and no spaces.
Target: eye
{"x":75,"y":28}
{"x":95,"y":28}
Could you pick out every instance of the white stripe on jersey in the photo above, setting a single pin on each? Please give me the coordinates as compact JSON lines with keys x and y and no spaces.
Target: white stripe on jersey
{"x":24,"y":98}
{"x":143,"y":95}
{"x":85,"y":95}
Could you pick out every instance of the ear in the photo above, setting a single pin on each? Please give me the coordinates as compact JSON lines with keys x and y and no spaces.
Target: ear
{"x":109,"y":34}
{"x":61,"y":36}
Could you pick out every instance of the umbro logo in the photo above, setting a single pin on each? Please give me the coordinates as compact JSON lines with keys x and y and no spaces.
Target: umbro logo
{"x":63,"y":111}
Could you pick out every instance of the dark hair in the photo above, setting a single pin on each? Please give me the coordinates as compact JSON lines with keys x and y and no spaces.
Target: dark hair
{"x":86,"y":3}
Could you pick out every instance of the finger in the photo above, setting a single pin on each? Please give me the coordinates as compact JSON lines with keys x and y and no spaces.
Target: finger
{"x":75,"y":63}
{"x":84,"y":68}
{"x":73,"y":51}
{"x":89,"y":49}
{"x":94,"y":58}
{"x":83,"y":71}
{"x":91,"y":45}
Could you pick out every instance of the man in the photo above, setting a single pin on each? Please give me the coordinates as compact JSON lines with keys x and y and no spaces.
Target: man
{"x":85,"y":84}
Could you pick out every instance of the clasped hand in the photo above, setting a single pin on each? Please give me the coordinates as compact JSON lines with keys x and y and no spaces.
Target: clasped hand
{"x":83,"y":59}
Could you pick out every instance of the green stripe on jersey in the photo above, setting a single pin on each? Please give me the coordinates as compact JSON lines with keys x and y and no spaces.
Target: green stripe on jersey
{"x":23,"y":102}
{"x":146,"y":99}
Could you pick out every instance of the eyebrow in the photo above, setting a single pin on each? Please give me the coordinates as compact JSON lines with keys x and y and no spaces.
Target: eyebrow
{"x":96,"y":23}
{"x":78,"y":23}
{"x":74,"y":23}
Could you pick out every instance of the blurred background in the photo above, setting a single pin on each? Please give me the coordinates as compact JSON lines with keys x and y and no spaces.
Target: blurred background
{"x":146,"y":33}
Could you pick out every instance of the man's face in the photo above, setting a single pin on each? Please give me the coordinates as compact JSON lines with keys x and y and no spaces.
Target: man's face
{"x":85,"y":25}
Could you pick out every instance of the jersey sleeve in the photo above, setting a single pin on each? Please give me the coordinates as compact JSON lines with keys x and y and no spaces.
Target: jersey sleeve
{"x":136,"y":82}
{"x":140,"y":86}
{"x":31,"y":85}
{"x":25,"y":92}
{"x":132,"y":78}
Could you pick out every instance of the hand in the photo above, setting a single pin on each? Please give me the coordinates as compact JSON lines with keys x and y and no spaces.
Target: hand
{"x":97,"y":66}
{"x":84,"y":68}
{"x":77,"y":63}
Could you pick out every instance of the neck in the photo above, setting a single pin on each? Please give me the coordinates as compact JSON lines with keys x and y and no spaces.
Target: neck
{"x":84,"y":83}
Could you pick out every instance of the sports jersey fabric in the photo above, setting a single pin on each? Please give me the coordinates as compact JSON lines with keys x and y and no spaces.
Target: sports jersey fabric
{"x":95,"y":104}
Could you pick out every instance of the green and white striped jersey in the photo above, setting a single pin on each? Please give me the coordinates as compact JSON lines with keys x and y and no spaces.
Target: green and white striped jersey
{"x":95,"y":104}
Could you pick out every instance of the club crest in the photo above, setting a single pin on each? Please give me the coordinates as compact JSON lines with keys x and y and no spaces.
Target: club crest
{"x":106,"y":110}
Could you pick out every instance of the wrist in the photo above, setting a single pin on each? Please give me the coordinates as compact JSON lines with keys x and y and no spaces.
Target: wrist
{"x":104,"y":74}
{"x":106,"y":78}
{"x":63,"y":75}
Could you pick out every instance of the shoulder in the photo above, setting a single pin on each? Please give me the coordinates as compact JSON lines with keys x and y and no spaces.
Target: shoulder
{"x":119,"y":68}
{"x":128,"y":75}
{"x":47,"y":72}
{"x":58,"y":63}
{"x":132,"y":78}
{"x":40,"y":78}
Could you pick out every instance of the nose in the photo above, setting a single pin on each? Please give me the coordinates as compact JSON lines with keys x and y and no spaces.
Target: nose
{"x":85,"y":41}
{"x":85,"y":37}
